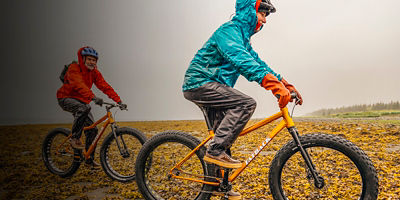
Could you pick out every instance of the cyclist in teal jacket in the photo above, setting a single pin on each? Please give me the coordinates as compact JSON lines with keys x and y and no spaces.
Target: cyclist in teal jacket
{"x":214,"y":70}
{"x":228,"y":53}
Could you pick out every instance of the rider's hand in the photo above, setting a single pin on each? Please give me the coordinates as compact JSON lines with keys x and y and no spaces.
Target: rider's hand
{"x":270,"y":82}
{"x":97,"y":100}
{"x":291,"y":88}
{"x":122,"y":105}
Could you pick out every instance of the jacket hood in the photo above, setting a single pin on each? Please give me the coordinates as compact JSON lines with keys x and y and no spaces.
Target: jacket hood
{"x":246,"y":16}
{"x":80,"y":59}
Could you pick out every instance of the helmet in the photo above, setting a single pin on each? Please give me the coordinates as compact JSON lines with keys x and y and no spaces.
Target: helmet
{"x":89,"y":51}
{"x":266,"y":6}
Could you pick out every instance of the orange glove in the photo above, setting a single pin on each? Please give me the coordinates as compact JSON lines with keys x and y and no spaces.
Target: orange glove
{"x":270,"y":82}
{"x":291,"y":88}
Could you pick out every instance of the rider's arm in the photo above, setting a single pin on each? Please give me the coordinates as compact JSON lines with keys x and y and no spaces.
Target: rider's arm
{"x":75,"y":79}
{"x":105,"y":87}
{"x":262,"y":63}
{"x":231,"y":45}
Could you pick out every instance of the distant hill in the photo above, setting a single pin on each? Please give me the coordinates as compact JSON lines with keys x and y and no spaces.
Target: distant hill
{"x":371,"y":110}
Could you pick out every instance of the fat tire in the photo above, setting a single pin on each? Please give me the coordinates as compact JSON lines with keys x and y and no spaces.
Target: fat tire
{"x":360,"y":159}
{"x":159,"y":139}
{"x":47,"y":143}
{"x":105,"y":146}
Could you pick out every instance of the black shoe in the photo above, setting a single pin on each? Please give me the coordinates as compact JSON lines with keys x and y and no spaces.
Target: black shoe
{"x":223,"y":160}
{"x":92,"y":164}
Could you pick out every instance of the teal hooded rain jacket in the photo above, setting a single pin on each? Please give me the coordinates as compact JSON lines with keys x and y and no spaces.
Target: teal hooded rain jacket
{"x":228,"y":53}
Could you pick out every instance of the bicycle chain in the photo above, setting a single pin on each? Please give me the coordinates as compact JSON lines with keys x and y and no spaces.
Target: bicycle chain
{"x":215,"y":193}
{"x":199,"y":176}
{"x":224,"y":195}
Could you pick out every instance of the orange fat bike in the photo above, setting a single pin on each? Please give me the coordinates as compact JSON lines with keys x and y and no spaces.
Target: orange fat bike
{"x":117,"y":153}
{"x":311,"y":166}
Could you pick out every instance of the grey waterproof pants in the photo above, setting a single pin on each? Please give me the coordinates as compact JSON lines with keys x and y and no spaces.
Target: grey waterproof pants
{"x":82,"y":117}
{"x":232,"y":108}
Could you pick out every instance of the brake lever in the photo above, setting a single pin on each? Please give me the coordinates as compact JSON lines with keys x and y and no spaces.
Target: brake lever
{"x":291,"y":115}
{"x":121,"y":108}
{"x":296,"y":100}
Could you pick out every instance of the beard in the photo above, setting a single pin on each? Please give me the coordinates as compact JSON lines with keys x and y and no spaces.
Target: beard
{"x":90,"y":67}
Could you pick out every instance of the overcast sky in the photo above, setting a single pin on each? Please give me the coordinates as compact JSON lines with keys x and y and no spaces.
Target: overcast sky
{"x":336,"y":53}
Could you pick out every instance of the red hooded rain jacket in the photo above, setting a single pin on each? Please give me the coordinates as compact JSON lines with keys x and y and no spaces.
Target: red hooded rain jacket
{"x":79,"y":80}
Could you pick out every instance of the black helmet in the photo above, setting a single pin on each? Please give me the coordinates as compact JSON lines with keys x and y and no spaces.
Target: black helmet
{"x":266,"y":6}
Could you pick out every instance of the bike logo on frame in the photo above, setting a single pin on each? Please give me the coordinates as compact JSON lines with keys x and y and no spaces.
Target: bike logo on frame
{"x":257,"y":151}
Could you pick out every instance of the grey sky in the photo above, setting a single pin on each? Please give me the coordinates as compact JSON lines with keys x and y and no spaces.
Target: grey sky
{"x":336,"y":53}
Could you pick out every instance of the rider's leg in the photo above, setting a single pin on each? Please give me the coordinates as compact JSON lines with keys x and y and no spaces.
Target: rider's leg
{"x":80,"y":112}
{"x":90,"y":135}
{"x":232,"y":111}
{"x":231,"y":125}
{"x":237,"y":108}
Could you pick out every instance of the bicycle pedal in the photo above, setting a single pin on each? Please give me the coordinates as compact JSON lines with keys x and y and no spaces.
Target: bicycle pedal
{"x":226,"y":197}
{"x":218,"y":193}
{"x":223,"y":195}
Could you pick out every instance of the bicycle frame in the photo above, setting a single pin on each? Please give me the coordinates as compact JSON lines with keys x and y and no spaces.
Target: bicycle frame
{"x":108,"y":118}
{"x":286,"y":122}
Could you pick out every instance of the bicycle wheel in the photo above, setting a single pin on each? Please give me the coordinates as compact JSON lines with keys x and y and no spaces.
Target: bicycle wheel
{"x":58,"y":155}
{"x":120,"y":165}
{"x":347,"y":171}
{"x":165,"y":150}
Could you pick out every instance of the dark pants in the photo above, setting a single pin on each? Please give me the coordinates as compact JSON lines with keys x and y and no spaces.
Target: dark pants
{"x":232,"y":108}
{"x":82,"y":117}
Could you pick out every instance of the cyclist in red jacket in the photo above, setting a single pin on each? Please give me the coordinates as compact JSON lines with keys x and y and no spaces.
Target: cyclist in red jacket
{"x":75,"y":95}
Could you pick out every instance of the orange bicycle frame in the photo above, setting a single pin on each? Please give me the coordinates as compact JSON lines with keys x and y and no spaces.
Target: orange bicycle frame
{"x":108,"y":118}
{"x":286,"y":122}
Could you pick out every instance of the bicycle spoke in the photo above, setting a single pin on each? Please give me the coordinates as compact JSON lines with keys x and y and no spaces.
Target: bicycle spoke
{"x":336,"y":169}
{"x":61,"y":153}
{"x":198,"y":176}
{"x":58,"y":155}
{"x":164,"y":158}
{"x":122,"y":163}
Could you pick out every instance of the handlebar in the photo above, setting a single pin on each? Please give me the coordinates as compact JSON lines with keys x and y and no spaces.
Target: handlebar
{"x":293,"y":95}
{"x":112,"y":105}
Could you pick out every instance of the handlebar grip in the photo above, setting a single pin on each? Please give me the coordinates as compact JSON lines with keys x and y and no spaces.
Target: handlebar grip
{"x":110,"y":104}
{"x":293,"y":95}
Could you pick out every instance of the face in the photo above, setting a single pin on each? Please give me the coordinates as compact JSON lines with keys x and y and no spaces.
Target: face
{"x":260,"y":20}
{"x":261,"y":17}
{"x":90,"y":62}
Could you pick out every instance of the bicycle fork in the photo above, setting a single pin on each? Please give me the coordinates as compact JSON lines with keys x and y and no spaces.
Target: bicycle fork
{"x":318,"y":180}
{"x":124,"y":152}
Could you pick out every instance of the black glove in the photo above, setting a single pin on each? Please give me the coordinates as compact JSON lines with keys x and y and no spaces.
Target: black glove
{"x":97,"y":100}
{"x":122,"y":105}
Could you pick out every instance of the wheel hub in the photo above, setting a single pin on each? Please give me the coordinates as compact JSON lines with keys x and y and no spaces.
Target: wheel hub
{"x":320,"y":183}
